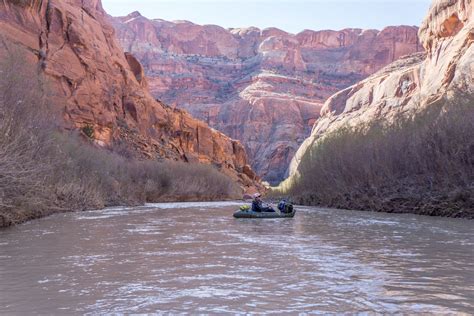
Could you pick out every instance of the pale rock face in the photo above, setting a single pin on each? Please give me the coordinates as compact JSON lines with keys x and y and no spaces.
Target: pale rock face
{"x":71,"y":42}
{"x":263,"y":87}
{"x":414,"y":82}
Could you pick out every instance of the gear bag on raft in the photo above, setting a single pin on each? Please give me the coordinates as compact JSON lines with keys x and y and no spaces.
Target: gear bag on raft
{"x":285,"y":207}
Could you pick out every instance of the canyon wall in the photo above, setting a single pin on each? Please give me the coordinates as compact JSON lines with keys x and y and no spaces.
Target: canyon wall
{"x":100,"y":88}
{"x":263,"y":87}
{"x":444,"y":72}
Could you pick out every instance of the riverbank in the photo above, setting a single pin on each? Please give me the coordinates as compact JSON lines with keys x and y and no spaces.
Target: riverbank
{"x":421,"y":164}
{"x":48,"y":166}
{"x":457,"y":205}
{"x":395,"y":198}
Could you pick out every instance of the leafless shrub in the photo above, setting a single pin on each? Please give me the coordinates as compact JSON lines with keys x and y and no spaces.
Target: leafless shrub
{"x":24,"y":133}
{"x":43,"y":170}
{"x":422,"y":164}
{"x":90,"y":177}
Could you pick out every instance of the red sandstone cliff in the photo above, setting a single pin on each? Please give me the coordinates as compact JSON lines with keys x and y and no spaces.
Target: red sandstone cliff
{"x":71,"y":42}
{"x":446,"y":71}
{"x":263,"y":87}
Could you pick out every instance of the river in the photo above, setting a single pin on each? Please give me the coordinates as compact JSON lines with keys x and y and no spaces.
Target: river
{"x":196,"y":258}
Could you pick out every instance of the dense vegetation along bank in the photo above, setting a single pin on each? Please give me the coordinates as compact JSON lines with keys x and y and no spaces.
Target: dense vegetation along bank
{"x":422,"y":164}
{"x":43,"y":170}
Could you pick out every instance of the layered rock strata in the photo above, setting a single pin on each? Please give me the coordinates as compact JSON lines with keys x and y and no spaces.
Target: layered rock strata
{"x":72,"y":43}
{"x":446,"y":71}
{"x":263,"y":87}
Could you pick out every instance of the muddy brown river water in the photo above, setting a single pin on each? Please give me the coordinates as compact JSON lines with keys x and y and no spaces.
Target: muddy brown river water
{"x":196,"y":258}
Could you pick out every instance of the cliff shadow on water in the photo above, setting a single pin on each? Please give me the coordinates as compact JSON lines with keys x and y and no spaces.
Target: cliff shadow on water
{"x":422,"y":163}
{"x":45,"y":169}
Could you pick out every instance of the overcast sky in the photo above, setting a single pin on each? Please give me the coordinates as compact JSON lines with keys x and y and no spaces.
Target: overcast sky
{"x":292,"y":16}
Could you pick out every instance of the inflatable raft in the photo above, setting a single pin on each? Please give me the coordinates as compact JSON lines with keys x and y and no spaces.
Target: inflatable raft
{"x":251,"y":214}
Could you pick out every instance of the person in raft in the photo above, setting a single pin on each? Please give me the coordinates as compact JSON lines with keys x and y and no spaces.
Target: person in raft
{"x":257,"y":204}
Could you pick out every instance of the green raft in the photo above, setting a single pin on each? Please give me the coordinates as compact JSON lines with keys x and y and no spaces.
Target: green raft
{"x":251,"y":214}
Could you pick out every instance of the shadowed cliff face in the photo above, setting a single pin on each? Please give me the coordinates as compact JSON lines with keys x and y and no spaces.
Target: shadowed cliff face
{"x":445,"y":71}
{"x":263,"y":87}
{"x":71,"y":42}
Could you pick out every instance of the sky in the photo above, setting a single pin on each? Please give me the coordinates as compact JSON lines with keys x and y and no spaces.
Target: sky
{"x":291,"y":16}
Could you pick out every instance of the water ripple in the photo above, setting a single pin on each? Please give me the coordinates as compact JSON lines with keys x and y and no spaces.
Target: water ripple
{"x":196,"y":258}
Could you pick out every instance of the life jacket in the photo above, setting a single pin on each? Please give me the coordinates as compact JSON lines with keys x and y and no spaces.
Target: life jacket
{"x":256,"y":206}
{"x":281,"y":205}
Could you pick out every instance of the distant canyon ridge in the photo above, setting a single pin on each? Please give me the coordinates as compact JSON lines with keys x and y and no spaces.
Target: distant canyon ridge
{"x":265,"y":88}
